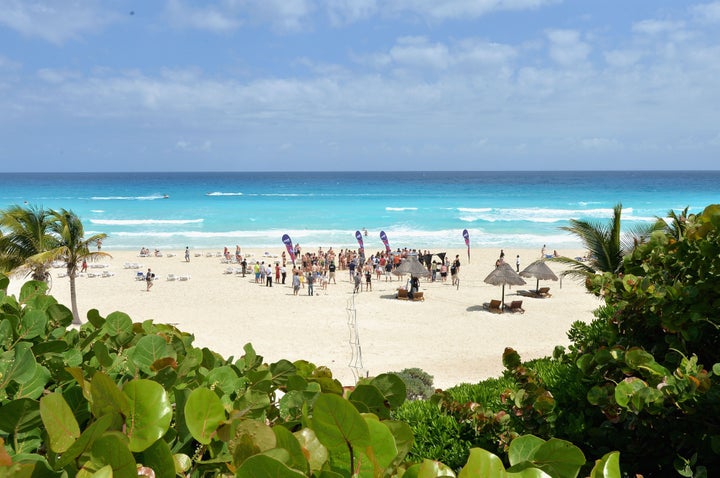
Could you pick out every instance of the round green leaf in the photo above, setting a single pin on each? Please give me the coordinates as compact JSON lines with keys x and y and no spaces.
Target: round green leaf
{"x":159,"y":457}
{"x":262,"y":466}
{"x":559,"y":458}
{"x":316,"y":451}
{"x":392,"y":387}
{"x":149,"y":349}
{"x":225,"y":378}
{"x":117,"y":323}
{"x":107,"y":397}
{"x":523,"y":448}
{"x":368,"y":398}
{"x":204,"y":413}
{"x":338,"y":424}
{"x":32,"y":324}
{"x":59,"y":421}
{"x":111,"y":449}
{"x":482,"y":463}
{"x":150,"y":413}
{"x":286,"y":440}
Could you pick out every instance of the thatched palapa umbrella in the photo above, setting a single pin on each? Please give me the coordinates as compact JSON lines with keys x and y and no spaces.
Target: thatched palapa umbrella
{"x":540,"y":271}
{"x":410,"y":265}
{"x":504,"y":274}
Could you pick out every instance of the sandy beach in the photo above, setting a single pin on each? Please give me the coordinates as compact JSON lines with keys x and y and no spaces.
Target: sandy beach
{"x":449,"y":334}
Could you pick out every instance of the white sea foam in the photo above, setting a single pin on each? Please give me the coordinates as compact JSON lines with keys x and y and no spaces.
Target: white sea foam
{"x":128,"y":198}
{"x":218,"y":193}
{"x":400,"y":209}
{"x":538,"y":215}
{"x":97,"y":210}
{"x":142,"y":222}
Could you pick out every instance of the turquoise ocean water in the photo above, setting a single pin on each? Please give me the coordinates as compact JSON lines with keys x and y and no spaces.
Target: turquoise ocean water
{"x":422,"y":210}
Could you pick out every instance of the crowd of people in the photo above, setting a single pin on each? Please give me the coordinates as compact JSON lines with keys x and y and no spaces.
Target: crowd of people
{"x":316,"y":270}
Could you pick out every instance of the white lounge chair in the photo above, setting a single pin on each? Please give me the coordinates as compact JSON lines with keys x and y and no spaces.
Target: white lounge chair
{"x":107,"y":273}
{"x":171,"y":277}
{"x":184,"y":277}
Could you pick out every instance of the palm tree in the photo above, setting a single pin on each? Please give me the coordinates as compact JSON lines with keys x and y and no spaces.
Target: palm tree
{"x":27,"y":233}
{"x":605,"y":244}
{"x":72,"y":247}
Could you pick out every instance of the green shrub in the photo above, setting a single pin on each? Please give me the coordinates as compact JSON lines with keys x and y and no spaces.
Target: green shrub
{"x":419,"y":384}
{"x":438,"y":436}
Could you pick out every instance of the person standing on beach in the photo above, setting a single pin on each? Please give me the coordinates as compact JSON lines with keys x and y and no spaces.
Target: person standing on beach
{"x":149,"y":280}
{"x":268,"y":275}
{"x":295,"y":282}
{"x":542,"y":252}
{"x":331,"y":272}
{"x":517,"y":263}
{"x":283,"y":273}
{"x":311,"y":282}
{"x":187,"y":254}
{"x":357,"y":280}
{"x":455,"y":269}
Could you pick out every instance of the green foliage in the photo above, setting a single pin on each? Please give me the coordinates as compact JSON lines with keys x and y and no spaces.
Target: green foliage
{"x":419,"y":383}
{"x":117,"y":398}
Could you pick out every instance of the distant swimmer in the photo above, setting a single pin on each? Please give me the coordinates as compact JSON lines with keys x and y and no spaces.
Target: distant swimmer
{"x":165,"y":196}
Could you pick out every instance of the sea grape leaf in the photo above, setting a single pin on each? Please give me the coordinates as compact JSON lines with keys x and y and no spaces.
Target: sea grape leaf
{"x":225,"y":378}
{"x":431,"y":469}
{"x":316,"y":452}
{"x":150,"y":413}
{"x":107,"y":397}
{"x":19,"y":416}
{"x":102,"y":354}
{"x":149,"y":349}
{"x":59,"y":421}
{"x":94,"y":317}
{"x":31,"y":289}
{"x":607,"y":467}
{"x":482,"y":463}
{"x":392,"y":387}
{"x":281,"y":371}
{"x":286,"y":440}
{"x":159,"y":457}
{"x":368,"y":398}
{"x":34,"y":387}
{"x":262,"y":466}
{"x":337,"y":423}
{"x":86,"y":440}
{"x":625,"y":390}
{"x":404,"y":438}
{"x":523,"y":448}
{"x":111,"y":449}
{"x":17,"y":365}
{"x":559,"y":458}
{"x":380,"y":455}
{"x":204,"y":413}
{"x":117,"y":323}
{"x":32,"y":324}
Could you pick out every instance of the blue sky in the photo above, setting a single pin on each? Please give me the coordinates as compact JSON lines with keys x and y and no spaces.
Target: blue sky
{"x":275,"y":85}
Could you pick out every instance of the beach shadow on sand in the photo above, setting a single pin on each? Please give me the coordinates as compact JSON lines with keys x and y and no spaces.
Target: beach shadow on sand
{"x":475,"y":308}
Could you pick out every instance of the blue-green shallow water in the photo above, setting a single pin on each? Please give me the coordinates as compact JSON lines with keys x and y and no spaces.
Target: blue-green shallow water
{"x":422,"y":210}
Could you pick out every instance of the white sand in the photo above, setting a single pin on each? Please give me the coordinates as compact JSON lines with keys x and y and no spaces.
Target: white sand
{"x":449,"y":335}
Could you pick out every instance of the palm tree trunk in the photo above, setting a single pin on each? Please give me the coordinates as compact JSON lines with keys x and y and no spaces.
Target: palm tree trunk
{"x":73,"y":301}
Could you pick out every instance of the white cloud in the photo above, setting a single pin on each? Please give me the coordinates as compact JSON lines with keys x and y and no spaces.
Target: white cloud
{"x":342,"y":12}
{"x":566,"y":47}
{"x":708,"y":12}
{"x":461,"y":9}
{"x":657,"y":27}
{"x":418,"y":52}
{"x":57,"y":21}
{"x":623,"y":58}
{"x":207,"y":18}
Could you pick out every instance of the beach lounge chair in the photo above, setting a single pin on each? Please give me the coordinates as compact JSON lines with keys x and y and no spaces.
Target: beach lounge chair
{"x":140,"y":276}
{"x":418,"y":296}
{"x":402,"y":294}
{"x":171,"y":277}
{"x":515,"y":306}
{"x":544,"y":292}
{"x":493,"y":306}
{"x":183,"y":277}
{"x":107,"y":273}
{"x":228,"y":270}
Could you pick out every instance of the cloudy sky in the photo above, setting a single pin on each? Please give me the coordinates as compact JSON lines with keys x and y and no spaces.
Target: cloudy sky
{"x":274,"y":85}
